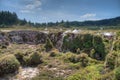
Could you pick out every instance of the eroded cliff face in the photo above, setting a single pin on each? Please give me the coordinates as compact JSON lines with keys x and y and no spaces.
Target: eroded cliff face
{"x":60,"y":40}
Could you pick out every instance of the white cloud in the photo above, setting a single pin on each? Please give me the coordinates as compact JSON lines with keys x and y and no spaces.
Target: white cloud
{"x":34,"y":5}
{"x":88,"y":15}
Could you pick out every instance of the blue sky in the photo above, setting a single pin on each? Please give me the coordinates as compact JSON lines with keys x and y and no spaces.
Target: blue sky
{"x":57,"y":10}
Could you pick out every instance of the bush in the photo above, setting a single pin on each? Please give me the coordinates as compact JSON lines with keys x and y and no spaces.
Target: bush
{"x":69,"y":57}
{"x":74,"y":66}
{"x":92,"y":53}
{"x":89,"y":73}
{"x":48,"y":45}
{"x":73,"y":58}
{"x":19,"y":56}
{"x":108,"y":76}
{"x":112,"y":60}
{"x":117,"y":45}
{"x":54,"y":53}
{"x":83,"y":58}
{"x":33,"y":59}
{"x":117,"y":73}
{"x":8,"y":64}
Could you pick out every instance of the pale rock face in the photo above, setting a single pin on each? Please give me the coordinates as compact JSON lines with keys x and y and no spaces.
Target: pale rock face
{"x":75,"y":31}
{"x":108,"y":34}
{"x":68,"y":31}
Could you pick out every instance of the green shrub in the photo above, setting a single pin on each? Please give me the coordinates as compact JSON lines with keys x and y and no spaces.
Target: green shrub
{"x":107,"y":76}
{"x":89,"y":73}
{"x":117,"y":45}
{"x":112,"y":60}
{"x":8,"y":64}
{"x":92,"y":53}
{"x":33,"y":59}
{"x":48,"y":45}
{"x":72,"y":58}
{"x":84,"y":43}
{"x":117,"y":73}
{"x":99,"y":47}
{"x":54,"y":53}
{"x":19,"y":55}
{"x":69,"y":57}
{"x":83,"y":58}
{"x":74,"y":66}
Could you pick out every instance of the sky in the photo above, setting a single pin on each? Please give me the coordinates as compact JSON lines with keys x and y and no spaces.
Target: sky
{"x":57,"y":10}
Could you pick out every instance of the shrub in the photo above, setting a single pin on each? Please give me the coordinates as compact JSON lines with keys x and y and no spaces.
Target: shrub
{"x":33,"y":59}
{"x":83,"y":58}
{"x":19,"y":56}
{"x":69,"y":57}
{"x":74,"y":66}
{"x":117,"y":73}
{"x":107,"y":76}
{"x":92,"y":53}
{"x":8,"y":64}
{"x":112,"y":60}
{"x":89,"y":73}
{"x":48,"y":45}
{"x":54,"y":53}
{"x":117,"y":45}
{"x":78,"y":51}
{"x":72,"y":58}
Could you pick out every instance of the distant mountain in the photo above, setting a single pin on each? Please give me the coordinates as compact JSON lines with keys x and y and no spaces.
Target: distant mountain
{"x":7,"y":19}
{"x":104,"y":22}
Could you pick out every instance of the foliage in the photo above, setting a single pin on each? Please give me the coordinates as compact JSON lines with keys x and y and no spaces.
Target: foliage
{"x":107,"y":76}
{"x":112,"y":60}
{"x":48,"y":45}
{"x":33,"y":59}
{"x":92,"y":53}
{"x":83,"y":58}
{"x":19,"y":55}
{"x":9,"y":18}
{"x":89,"y":73}
{"x":117,"y":45}
{"x":117,"y":73}
{"x":99,"y":47}
{"x":85,"y":43}
{"x":8,"y":64}
{"x":54,"y":53}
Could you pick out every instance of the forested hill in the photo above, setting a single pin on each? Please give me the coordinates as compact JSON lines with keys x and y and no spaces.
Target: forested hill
{"x":8,"y":18}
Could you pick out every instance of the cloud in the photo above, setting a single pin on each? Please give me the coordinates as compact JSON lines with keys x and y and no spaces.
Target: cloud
{"x":32,"y":6}
{"x":88,"y":15}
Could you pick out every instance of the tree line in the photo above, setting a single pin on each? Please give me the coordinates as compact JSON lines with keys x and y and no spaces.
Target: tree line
{"x":8,"y":18}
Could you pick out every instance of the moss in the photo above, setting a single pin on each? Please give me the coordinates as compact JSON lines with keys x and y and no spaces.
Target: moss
{"x":8,"y":64}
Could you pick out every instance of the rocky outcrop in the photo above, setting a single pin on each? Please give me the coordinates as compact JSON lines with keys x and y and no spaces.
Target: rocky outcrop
{"x":28,"y":37}
{"x":60,"y":40}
